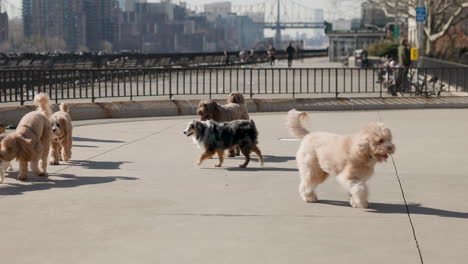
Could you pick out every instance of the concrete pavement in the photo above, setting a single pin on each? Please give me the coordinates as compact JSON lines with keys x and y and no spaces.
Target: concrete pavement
{"x":132,"y":194}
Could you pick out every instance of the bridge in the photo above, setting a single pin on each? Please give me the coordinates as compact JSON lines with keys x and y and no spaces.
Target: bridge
{"x":284,"y":14}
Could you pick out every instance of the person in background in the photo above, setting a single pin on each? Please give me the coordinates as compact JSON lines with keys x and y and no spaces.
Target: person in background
{"x":404,"y":54}
{"x":226,"y":57}
{"x":404,"y":61}
{"x":271,"y":54}
{"x":290,"y":50}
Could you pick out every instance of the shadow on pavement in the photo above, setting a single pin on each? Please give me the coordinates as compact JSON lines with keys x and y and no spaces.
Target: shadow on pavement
{"x":81,"y":139}
{"x":385,"y":208}
{"x":84,"y":146}
{"x":97,"y":165}
{"x":277,"y":159}
{"x":260,"y":169}
{"x":62,"y":181}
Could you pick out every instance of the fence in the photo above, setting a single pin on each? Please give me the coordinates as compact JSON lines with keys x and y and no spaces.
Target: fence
{"x":447,"y":75}
{"x":139,"y":60}
{"x":21,"y":85}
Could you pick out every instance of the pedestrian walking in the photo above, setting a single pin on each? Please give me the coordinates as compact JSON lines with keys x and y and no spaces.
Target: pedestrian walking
{"x":271,"y":54}
{"x":291,"y":51}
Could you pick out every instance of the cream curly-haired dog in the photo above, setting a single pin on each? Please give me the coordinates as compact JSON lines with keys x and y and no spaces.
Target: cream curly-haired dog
{"x":61,"y":143}
{"x":4,"y":165}
{"x":350,"y":158}
{"x":31,"y":140}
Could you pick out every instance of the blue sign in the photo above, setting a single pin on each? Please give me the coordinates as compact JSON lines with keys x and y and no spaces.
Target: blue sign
{"x":421,"y":14}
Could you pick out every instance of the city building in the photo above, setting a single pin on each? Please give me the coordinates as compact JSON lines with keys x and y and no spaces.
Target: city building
{"x":79,"y":23}
{"x":140,"y":25}
{"x":372,"y":16}
{"x":317,"y":15}
{"x":3,"y":25}
{"x":343,"y":44}
{"x":101,"y":29}
{"x":55,"y":19}
{"x":222,"y":9}
{"x":342,"y":24}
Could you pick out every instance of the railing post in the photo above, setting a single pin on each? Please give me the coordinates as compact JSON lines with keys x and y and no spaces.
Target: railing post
{"x":92,"y":84}
{"x":22,"y":92}
{"x":56,"y":87}
{"x":336,"y":82}
{"x":251,"y":83}
{"x":131,"y":85}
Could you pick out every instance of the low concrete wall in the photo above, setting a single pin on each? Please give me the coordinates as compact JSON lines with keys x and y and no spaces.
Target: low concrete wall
{"x":104,"y":110}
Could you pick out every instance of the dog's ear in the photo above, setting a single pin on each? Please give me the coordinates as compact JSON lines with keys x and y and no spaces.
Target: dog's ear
{"x":198,"y":125}
{"x":363,"y":145}
{"x":25,"y":149}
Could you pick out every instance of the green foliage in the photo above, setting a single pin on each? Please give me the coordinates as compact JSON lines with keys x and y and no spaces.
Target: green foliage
{"x":385,"y":47}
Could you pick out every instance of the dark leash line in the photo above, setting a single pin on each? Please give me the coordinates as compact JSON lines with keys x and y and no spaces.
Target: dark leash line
{"x":408,"y":211}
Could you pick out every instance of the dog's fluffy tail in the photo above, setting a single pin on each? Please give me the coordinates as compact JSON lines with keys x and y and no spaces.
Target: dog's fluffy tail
{"x":42,"y":102}
{"x":236,"y":98}
{"x":64,"y":107}
{"x":294,"y":123}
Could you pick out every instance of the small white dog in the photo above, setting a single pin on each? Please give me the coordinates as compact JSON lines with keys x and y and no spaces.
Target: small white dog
{"x":4,"y":165}
{"x":350,"y":158}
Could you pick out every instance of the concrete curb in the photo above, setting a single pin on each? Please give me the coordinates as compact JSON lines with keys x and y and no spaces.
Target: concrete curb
{"x":104,"y":110}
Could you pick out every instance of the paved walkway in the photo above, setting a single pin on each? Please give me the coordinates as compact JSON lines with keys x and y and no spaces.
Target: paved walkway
{"x":132,"y":194}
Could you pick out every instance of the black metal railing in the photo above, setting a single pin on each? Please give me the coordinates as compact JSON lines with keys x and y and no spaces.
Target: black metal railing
{"x":454,"y":77}
{"x":21,"y":85}
{"x":128,"y":60}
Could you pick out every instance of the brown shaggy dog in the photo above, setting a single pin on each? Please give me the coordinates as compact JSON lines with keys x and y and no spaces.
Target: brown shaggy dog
{"x":350,"y":158}
{"x":235,"y":109}
{"x":61,"y":143}
{"x":31,"y":140}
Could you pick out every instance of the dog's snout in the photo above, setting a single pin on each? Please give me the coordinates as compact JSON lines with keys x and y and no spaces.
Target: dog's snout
{"x":54,"y":129}
{"x":390,"y":148}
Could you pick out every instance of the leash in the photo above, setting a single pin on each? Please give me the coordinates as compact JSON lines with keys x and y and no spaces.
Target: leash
{"x":408,"y":211}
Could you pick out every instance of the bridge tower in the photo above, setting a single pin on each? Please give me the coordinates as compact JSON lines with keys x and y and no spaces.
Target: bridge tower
{"x":278,"y":24}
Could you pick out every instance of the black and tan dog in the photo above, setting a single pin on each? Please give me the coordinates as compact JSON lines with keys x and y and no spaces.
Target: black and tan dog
{"x":216,"y":137}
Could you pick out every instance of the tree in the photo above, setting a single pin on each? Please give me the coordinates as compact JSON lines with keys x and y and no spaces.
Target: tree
{"x":106,"y":46}
{"x":441,"y":15}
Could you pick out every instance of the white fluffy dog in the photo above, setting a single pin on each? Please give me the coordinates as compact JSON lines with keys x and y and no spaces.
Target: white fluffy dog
{"x":350,"y":158}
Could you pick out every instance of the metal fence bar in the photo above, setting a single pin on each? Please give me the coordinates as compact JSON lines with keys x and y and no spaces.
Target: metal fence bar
{"x":21,"y":85}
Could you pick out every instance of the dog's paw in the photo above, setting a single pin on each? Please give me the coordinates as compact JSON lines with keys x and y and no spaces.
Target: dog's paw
{"x":23,"y":177}
{"x":217,"y":165}
{"x":242,"y":166}
{"x":42,"y":174}
{"x":360,"y":204}
{"x":309,"y":197}
{"x":54,"y":162}
{"x":66,"y":157}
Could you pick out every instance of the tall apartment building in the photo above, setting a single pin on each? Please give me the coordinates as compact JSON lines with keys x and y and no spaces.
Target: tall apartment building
{"x":63,"y":19}
{"x":372,"y":15}
{"x":100,"y":22}
{"x":3,"y":25}
{"x":80,"y":23}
